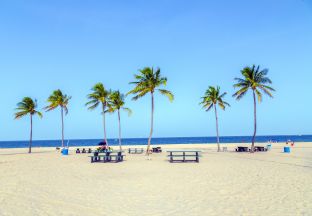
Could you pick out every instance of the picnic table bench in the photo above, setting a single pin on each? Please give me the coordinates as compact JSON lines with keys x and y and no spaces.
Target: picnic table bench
{"x":260,"y":148}
{"x":135,"y":150}
{"x":156,"y":149}
{"x":107,"y":157}
{"x":242,"y":149}
{"x":183,"y":155}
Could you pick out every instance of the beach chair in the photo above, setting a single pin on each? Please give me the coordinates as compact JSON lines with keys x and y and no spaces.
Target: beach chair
{"x":224,"y":149}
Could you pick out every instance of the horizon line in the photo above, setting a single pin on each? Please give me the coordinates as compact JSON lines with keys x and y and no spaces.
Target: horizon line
{"x":155,"y":137}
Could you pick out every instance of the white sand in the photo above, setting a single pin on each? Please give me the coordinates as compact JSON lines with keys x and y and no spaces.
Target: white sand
{"x":229,"y":183}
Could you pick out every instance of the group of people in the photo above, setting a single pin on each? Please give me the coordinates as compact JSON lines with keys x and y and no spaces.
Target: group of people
{"x":83,"y":151}
{"x":103,"y":147}
{"x":291,"y":143}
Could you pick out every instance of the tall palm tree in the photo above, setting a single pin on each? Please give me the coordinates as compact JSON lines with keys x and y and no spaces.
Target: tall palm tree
{"x":211,"y":99}
{"x":148,"y":81}
{"x":257,"y":81}
{"x":117,"y":102}
{"x":58,"y":99}
{"x":25,"y":107}
{"x":99,"y":96}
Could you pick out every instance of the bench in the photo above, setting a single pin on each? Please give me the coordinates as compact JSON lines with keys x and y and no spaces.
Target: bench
{"x":135,"y":150}
{"x":156,"y":149}
{"x":119,"y":157}
{"x":184,"y":156}
{"x":97,"y":158}
{"x":242,"y":149}
{"x":260,"y":148}
{"x":108,"y":157}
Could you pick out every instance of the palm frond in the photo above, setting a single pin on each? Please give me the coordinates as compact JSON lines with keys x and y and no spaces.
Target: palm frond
{"x":266,"y":90}
{"x":240,"y":93}
{"x":99,"y":95}
{"x":25,"y":107}
{"x":255,"y":79}
{"x":92,"y":104}
{"x":148,"y":80}
{"x":21,"y":114}
{"x":212,"y":97}
{"x":259,"y":95}
{"x":129,"y":111}
{"x":167,"y":93}
{"x":141,"y":94}
{"x":39,"y":114}
{"x":209,"y":107}
{"x":56,"y":99}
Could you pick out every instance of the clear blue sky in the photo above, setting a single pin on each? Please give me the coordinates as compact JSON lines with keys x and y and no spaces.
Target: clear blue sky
{"x":71,"y":45}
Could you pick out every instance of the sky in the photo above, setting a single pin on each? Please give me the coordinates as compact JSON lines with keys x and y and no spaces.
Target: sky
{"x":72,"y":44}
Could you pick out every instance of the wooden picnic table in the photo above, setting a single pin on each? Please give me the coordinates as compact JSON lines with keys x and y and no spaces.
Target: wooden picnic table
{"x":115,"y":156}
{"x":156,"y":149}
{"x":242,"y":149}
{"x":135,"y":150}
{"x":184,"y":155}
{"x":260,"y":148}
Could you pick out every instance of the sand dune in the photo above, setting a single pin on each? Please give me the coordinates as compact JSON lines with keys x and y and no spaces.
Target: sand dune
{"x":229,"y":183}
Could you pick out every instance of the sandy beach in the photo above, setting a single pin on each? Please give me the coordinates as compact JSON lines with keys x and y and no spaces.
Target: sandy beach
{"x":227,"y":183}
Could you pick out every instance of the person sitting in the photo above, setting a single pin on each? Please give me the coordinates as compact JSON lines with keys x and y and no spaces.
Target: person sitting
{"x":89,"y":151}
{"x":103,"y":147}
{"x":84,"y":151}
{"x":78,"y":151}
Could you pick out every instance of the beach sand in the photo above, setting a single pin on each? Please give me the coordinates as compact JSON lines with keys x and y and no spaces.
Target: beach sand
{"x":227,"y":183}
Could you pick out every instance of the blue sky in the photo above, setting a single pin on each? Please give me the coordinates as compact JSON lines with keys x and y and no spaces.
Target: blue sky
{"x":71,"y":45}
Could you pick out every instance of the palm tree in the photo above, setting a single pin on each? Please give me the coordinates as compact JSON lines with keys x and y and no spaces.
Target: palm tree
{"x":117,"y":102}
{"x":257,"y":81}
{"x":148,"y":81}
{"x":212,"y":98}
{"x":58,"y":99}
{"x":99,"y":96}
{"x":25,"y":107}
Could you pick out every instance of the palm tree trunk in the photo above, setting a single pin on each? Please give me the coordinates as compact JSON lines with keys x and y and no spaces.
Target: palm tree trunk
{"x":152,"y":125}
{"x":30,"y":140}
{"x":255,"y":122}
{"x":217,"y":128}
{"x":119,"y":130}
{"x":62,"y":113}
{"x":104,"y":124}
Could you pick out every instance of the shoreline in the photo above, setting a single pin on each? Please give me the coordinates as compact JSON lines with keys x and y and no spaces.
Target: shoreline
{"x":224,"y":140}
{"x":203,"y":146}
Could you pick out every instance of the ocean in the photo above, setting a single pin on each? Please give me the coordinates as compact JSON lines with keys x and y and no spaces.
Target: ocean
{"x":157,"y":141}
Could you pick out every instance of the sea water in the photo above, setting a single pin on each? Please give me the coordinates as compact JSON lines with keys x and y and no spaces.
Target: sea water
{"x":158,"y":141}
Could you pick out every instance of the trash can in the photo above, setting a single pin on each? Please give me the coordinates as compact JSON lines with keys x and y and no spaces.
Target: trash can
{"x":64,"y":151}
{"x":269,"y":146}
{"x":286,"y":149}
